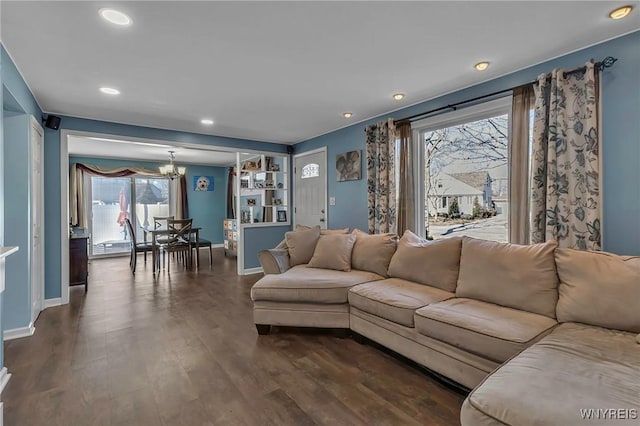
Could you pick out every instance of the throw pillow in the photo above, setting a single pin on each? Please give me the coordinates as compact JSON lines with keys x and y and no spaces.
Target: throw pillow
{"x":435,"y":263}
{"x":598,"y":288}
{"x":324,"y":231}
{"x":333,"y":251}
{"x":301,"y":245}
{"x":516,"y":276}
{"x":373,"y":253}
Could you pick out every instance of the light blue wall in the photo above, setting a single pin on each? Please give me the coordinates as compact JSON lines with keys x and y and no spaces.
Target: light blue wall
{"x":206,"y":208}
{"x":18,"y":105}
{"x":17,"y":295}
{"x":620,"y":129}
{"x":261,"y":238}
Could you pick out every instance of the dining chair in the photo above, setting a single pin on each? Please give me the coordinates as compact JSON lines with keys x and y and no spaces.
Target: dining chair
{"x":202,"y":242}
{"x":136,"y":247}
{"x":179,"y":232}
{"x":161,"y":221}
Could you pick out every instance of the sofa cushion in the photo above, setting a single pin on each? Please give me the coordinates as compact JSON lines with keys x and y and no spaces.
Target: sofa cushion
{"x":373,"y":252}
{"x":333,"y":251}
{"x":485,"y":329}
{"x":577,"y":367}
{"x":395,"y":299}
{"x":301,"y":245}
{"x":302,"y":284}
{"x":520,"y":277}
{"x":598,"y":288}
{"x":433,"y":263}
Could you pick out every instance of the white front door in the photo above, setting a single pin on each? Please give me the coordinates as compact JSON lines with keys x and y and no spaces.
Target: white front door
{"x":37,"y":219}
{"x":310,"y":188}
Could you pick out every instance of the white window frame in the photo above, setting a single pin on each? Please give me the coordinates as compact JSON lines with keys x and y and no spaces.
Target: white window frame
{"x":472,"y":113}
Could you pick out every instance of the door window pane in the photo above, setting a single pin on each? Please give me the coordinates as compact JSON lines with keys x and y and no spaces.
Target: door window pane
{"x":110,"y":206}
{"x":152,"y":199}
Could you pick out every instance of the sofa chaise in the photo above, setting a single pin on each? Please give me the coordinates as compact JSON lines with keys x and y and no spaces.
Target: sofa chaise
{"x":520,"y":325}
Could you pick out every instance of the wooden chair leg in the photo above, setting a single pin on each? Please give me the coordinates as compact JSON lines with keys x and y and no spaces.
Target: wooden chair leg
{"x":134,"y":258}
{"x":211,"y":255}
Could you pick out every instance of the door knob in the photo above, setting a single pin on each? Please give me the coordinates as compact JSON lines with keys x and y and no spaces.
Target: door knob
{"x":322,"y":219}
{"x":322,"y":211}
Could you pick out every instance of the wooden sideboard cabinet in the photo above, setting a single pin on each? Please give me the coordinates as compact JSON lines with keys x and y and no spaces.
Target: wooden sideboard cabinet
{"x":79,"y":261}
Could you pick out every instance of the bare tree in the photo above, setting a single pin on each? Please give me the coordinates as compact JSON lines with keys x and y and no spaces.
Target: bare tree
{"x":481,"y":145}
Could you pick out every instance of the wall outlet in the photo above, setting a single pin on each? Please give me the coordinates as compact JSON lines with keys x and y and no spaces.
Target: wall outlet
{"x":332,"y":201}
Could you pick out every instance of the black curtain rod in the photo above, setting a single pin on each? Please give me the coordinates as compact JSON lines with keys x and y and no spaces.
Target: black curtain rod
{"x":605,"y":63}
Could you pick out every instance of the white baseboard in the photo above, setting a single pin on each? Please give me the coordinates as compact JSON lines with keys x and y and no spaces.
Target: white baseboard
{"x":17,"y":333}
{"x":251,"y":271}
{"x":213,"y":246}
{"x":50,"y":303}
{"x":4,"y":378}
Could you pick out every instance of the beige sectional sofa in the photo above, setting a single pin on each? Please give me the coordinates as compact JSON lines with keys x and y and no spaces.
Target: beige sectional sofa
{"x":542,"y":335}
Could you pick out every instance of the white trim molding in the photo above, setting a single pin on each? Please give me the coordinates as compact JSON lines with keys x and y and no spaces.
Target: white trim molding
{"x":18,"y":333}
{"x":252,"y":271}
{"x":4,"y":378}
{"x":50,"y":303}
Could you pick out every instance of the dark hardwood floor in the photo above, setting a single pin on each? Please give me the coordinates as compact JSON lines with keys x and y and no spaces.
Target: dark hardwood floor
{"x":183,"y":350}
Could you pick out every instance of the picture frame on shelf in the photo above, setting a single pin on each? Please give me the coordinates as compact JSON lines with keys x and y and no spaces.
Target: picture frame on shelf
{"x":282,"y":215}
{"x":280,"y":185}
{"x":251,"y":202}
{"x":251,"y":165}
{"x":274,"y":168}
{"x":277,"y":201}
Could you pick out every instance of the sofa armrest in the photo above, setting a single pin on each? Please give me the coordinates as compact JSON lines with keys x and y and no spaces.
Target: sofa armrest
{"x":274,"y":261}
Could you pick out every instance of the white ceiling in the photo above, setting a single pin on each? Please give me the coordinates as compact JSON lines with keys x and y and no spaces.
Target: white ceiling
{"x":156,"y":151}
{"x":282,"y":71}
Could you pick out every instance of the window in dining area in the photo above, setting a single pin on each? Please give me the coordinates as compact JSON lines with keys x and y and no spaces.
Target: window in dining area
{"x":113,"y":200}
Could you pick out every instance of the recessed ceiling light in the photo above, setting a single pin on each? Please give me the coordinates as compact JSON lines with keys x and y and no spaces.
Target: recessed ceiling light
{"x":481,"y":66}
{"x":347,"y":114}
{"x":109,"y":91}
{"x":115,"y":17}
{"x":621,"y":12}
{"x":206,"y":121}
{"x":398,"y":96}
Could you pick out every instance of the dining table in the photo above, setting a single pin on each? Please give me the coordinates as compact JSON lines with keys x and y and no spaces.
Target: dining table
{"x":158,"y":232}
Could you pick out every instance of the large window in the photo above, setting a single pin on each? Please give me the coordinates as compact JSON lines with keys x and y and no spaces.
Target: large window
{"x":115,"y":199}
{"x":464,"y":162}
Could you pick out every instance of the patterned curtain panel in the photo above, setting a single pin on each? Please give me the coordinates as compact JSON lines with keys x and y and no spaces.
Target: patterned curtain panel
{"x":381,"y":185}
{"x":565,"y":193}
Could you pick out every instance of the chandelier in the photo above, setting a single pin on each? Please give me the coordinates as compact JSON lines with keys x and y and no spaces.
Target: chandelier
{"x":171,"y":170}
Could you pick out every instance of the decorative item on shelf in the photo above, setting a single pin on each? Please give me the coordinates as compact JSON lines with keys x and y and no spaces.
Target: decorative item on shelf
{"x":203,"y":183}
{"x":244,"y":184}
{"x":274,"y":168}
{"x":269,"y":184}
{"x":251,"y":202}
{"x":282,"y":215}
{"x":245,"y":216}
{"x":280,"y":185}
{"x":171,"y":170}
{"x":277,"y":202}
{"x":258,"y":184}
{"x":252,"y":165}
{"x":348,"y":166}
